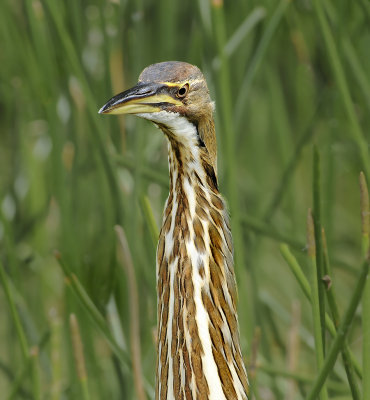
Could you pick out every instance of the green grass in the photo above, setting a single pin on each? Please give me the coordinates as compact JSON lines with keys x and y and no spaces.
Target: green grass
{"x":286,"y":76}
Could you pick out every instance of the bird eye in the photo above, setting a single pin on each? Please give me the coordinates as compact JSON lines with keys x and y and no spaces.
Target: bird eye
{"x":183,"y":91}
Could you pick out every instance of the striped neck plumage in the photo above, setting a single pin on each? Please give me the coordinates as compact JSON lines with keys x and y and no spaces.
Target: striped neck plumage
{"x":198,"y":348}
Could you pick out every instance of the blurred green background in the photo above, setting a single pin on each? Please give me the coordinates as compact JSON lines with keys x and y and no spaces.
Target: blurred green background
{"x":285,"y":75}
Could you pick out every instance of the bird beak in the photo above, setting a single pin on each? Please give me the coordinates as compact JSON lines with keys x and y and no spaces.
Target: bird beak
{"x":142,"y":98}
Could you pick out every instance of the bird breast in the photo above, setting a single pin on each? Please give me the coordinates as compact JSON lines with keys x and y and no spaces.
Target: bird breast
{"x":198,"y":338}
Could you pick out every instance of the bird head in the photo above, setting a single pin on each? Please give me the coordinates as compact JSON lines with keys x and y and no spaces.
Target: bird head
{"x":170,"y":94}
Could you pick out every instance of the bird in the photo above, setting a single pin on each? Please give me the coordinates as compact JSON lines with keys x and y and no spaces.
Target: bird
{"x":198,"y":342}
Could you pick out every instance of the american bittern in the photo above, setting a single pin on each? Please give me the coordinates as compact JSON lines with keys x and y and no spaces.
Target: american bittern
{"x":198,"y":347}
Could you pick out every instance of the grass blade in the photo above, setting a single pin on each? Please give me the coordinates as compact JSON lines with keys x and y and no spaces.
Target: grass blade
{"x":365,"y":222}
{"x":317,"y":311}
{"x":14,"y":313}
{"x":316,"y":215}
{"x":357,"y":133}
{"x":330,"y":294}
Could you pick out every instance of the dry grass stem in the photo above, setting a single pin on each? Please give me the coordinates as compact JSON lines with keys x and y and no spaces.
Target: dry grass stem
{"x":128,"y":267}
{"x":293,"y":349}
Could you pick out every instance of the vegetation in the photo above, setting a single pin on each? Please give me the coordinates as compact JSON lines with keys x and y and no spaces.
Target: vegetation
{"x":81,"y":195}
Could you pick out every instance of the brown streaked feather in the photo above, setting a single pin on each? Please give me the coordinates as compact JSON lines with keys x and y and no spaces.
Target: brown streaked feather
{"x":164,"y":376}
{"x":201,"y":270}
{"x":225,"y":375}
{"x":213,"y":312}
{"x":201,"y":198}
{"x":175,"y":345}
{"x":241,"y":372}
{"x":160,"y":250}
{"x":227,"y":236}
{"x":206,"y":129}
{"x":217,"y":201}
{"x":215,"y":238}
{"x":200,"y":212}
{"x":216,"y":217}
{"x":217,"y":256}
{"x":167,"y":224}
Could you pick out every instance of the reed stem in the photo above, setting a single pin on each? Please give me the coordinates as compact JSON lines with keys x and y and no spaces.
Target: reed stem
{"x":316,"y":304}
{"x":316,"y":220}
{"x":331,"y":296}
{"x":340,"y":337}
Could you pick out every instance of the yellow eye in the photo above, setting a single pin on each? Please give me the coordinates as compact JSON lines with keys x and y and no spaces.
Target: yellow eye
{"x":183,"y":91}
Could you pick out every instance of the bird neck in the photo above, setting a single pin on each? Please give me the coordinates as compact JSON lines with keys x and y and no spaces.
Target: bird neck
{"x":198,"y":348}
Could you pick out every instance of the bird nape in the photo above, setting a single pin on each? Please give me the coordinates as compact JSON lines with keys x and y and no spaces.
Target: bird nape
{"x":198,"y":345}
